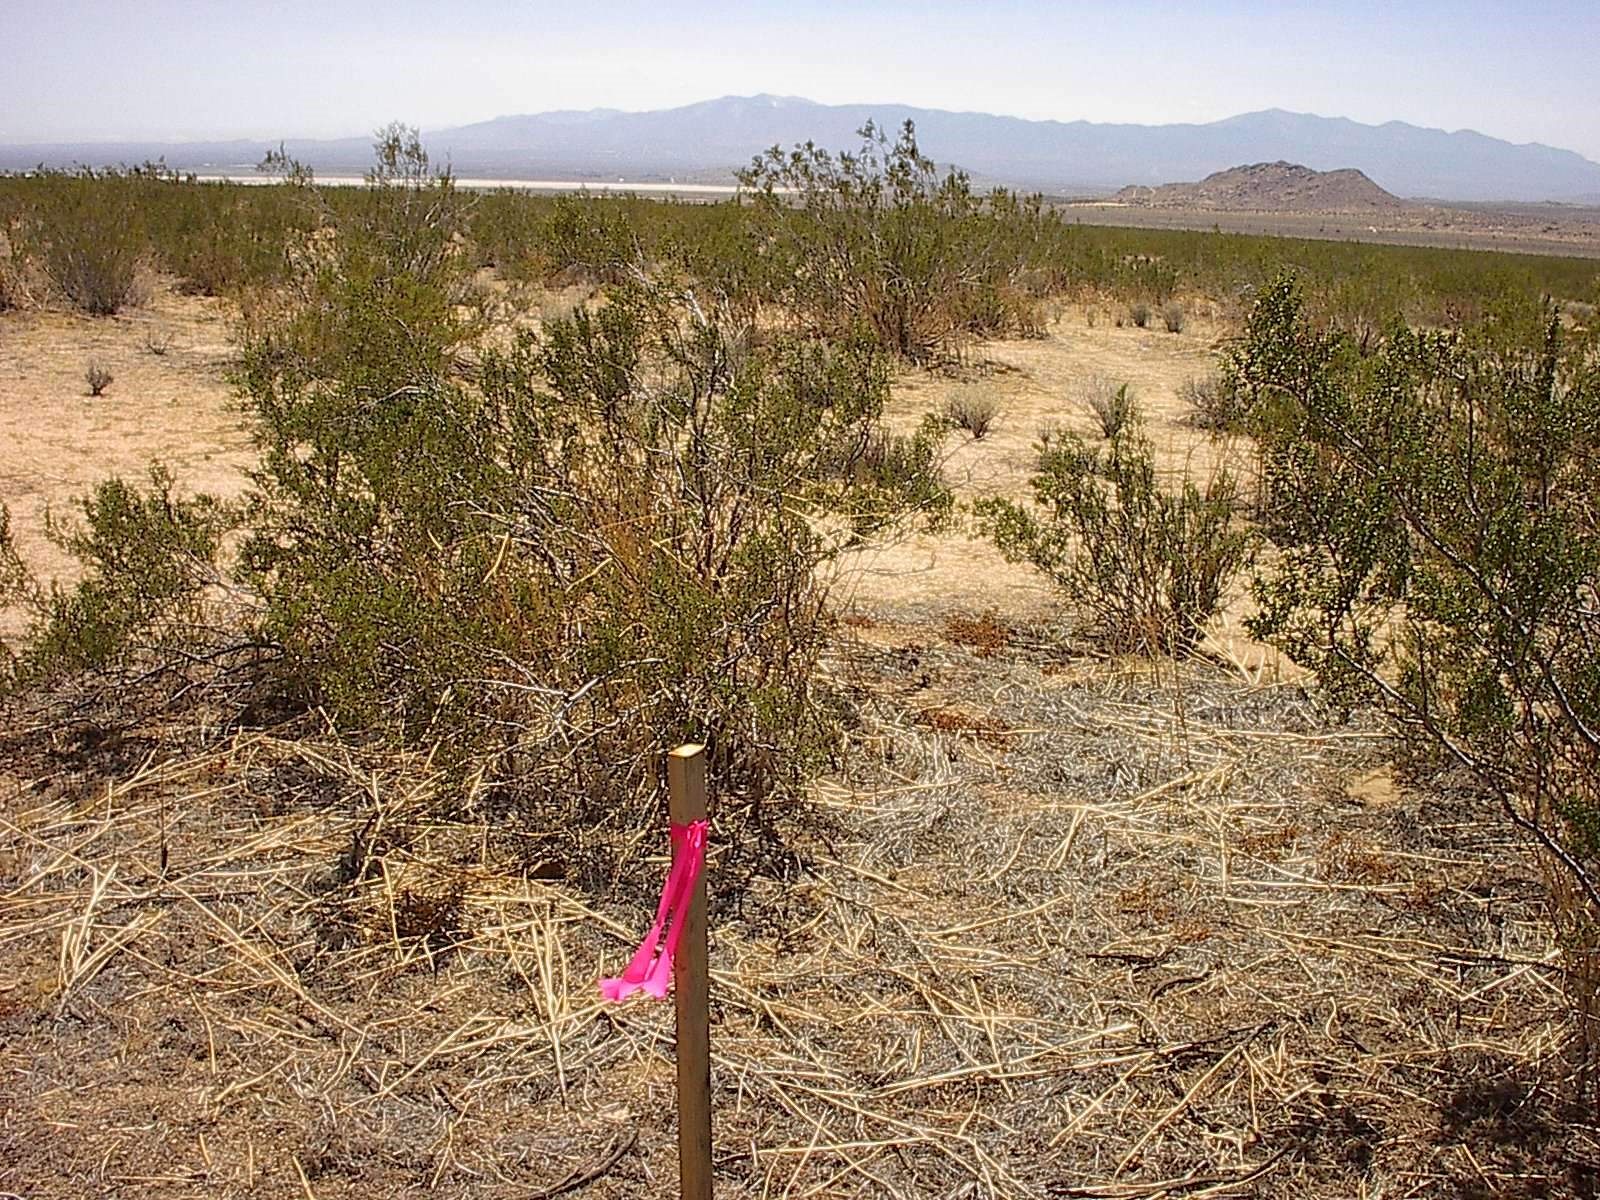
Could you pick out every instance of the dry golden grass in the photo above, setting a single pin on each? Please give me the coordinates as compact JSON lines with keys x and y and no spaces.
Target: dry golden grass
{"x":1118,"y":932}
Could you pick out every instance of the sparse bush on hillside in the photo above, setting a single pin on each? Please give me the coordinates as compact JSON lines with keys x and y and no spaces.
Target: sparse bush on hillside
{"x":1434,"y":505}
{"x":1113,"y":404}
{"x":1146,"y":567}
{"x":1172,"y":316}
{"x":1139,"y":313}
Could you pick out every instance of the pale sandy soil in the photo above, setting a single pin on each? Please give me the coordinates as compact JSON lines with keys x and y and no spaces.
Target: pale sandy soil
{"x":57,"y":442}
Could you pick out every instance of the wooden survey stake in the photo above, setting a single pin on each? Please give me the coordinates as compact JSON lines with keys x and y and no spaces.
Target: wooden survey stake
{"x":686,"y":777}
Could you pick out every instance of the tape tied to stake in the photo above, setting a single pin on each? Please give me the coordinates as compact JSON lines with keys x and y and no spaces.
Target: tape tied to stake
{"x":647,"y":971}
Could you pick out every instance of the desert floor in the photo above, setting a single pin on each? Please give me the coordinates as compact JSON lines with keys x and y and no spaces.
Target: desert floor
{"x":1056,"y":925}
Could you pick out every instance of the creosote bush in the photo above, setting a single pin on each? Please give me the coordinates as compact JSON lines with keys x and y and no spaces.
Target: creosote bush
{"x":1433,"y":502}
{"x":1172,"y":316}
{"x":87,"y":231}
{"x":610,"y":542}
{"x":1139,"y":313}
{"x":148,"y":556}
{"x":876,"y":239}
{"x":1146,"y":567}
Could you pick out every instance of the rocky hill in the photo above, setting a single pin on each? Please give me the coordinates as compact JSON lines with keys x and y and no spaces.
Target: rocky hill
{"x":1270,"y":187}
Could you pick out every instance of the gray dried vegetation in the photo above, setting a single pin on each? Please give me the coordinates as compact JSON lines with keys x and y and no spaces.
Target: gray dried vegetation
{"x":1057,"y":928}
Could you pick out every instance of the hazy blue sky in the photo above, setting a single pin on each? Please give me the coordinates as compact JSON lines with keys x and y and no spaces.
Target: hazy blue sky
{"x":77,"y":69}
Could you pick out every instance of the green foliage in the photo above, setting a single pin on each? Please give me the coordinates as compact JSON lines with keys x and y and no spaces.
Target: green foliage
{"x":147,"y":557}
{"x":1146,"y":567}
{"x":593,"y":241}
{"x":877,"y":239}
{"x":607,"y":541}
{"x":16,"y":588}
{"x":1436,"y":505}
{"x":380,"y":295}
{"x":86,"y":229}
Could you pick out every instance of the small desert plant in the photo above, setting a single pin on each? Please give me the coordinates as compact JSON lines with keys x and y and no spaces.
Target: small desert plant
{"x":975,"y":414}
{"x":1215,"y":402}
{"x":97,"y":377}
{"x":1139,"y":313}
{"x":1172,"y":316}
{"x":1112,"y":403}
{"x":157,"y":342}
{"x":147,"y":556}
{"x":1146,"y":566}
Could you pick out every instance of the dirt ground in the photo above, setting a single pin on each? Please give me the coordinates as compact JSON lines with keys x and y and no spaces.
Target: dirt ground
{"x":168,"y":400}
{"x":1056,"y":926}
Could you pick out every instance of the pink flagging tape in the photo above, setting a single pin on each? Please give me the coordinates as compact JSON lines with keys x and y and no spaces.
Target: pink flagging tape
{"x":647,"y":971}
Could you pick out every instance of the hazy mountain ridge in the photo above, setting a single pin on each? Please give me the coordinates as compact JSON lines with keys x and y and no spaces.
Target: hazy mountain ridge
{"x":720,"y":135}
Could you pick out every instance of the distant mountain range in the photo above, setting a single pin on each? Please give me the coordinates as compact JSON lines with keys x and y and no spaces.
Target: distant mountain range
{"x":709,"y":140}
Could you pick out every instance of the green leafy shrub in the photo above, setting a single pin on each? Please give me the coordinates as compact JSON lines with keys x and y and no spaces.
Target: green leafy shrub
{"x":1434,"y":506}
{"x":16,"y":589}
{"x":1146,"y":567}
{"x":86,"y":229}
{"x":148,"y":557}
{"x":589,"y":239}
{"x":878,"y":239}
{"x":605,"y":540}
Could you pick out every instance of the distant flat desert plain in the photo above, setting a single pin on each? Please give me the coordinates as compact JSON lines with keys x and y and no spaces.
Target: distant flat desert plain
{"x":1513,"y":228}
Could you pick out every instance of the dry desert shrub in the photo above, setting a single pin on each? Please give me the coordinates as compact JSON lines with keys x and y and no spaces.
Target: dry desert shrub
{"x":974,"y":413}
{"x":1113,"y":404}
{"x":97,"y":377}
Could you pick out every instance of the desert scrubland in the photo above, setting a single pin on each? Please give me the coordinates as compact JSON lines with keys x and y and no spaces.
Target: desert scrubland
{"x":1149,"y":680}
